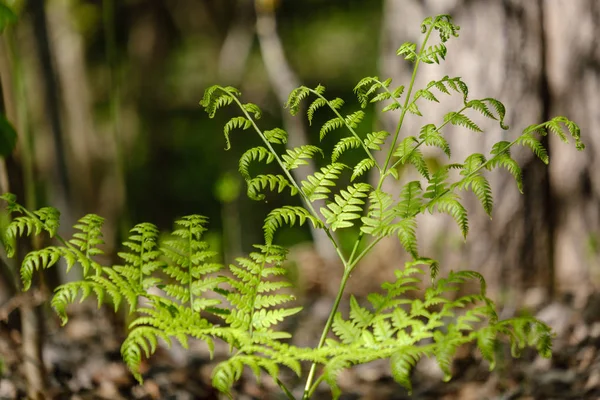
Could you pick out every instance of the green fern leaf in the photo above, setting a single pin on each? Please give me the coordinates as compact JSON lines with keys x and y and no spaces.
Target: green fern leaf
{"x":316,"y":186}
{"x":274,"y":182}
{"x":297,"y":156}
{"x":426,"y":94}
{"x":295,"y":98}
{"x":346,"y":207}
{"x":365,"y":88}
{"x":254,"y":154}
{"x":410,"y":200}
{"x":414,"y":109}
{"x":347,"y":331}
{"x":276,"y":135}
{"x":529,"y":140}
{"x":216,"y":97}
{"x":437,"y":184}
{"x":408,"y":152}
{"x":380,"y":214}
{"x":287,"y":215}
{"x":459,"y":119}
{"x":362,"y":167}
{"x":502,"y":158}
{"x":480,"y":186}
{"x":345,"y":144}
{"x":432,"y":54}
{"x":449,"y":203}
{"x":402,"y":362}
{"x":332,"y":124}
{"x":374,"y":140}
{"x":432,"y":137}
{"x":252,"y":108}
{"x":482,"y":107}
{"x":235,"y":123}
{"x":408,"y":50}
{"x":360,"y":316}
{"x":315,"y":105}
{"x":354,"y":119}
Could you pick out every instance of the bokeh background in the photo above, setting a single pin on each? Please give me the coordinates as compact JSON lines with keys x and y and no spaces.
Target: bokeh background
{"x":104,"y":98}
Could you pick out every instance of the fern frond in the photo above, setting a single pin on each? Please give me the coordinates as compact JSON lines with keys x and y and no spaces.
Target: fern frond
{"x":480,"y":105}
{"x":368,"y":86}
{"x":528,"y":139}
{"x":253,"y":311}
{"x":560,"y":126}
{"x":252,"y":108}
{"x":90,"y":235}
{"x":407,"y":235}
{"x":431,"y":136}
{"x":456,"y":84}
{"x":332,"y":124}
{"x":437,"y":184}
{"x":459,"y":119}
{"x":348,"y":203}
{"x":315,"y":105}
{"x":449,"y":203}
{"x":274,"y":182}
{"x":297,"y":156}
{"x":216,"y":97}
{"x":380,"y":214}
{"x":402,"y":362}
{"x":142,"y":341}
{"x":480,"y":186}
{"x":408,"y":50}
{"x":39,"y":259}
{"x":408,"y":152}
{"x":287,"y":215}
{"x":254,"y":154}
{"x":362,"y":167}
{"x":235,"y":123}
{"x":295,"y":98}
{"x":345,"y":144}
{"x":410,"y":200}
{"x":432,"y":54}
{"x":414,"y":109}
{"x":443,"y":24}
{"x":316,"y":186}
{"x":188,"y":262}
{"x":276,"y":135}
{"x":426,"y":94}
{"x":67,"y":294}
{"x":374,"y":140}
{"x":501,"y":157}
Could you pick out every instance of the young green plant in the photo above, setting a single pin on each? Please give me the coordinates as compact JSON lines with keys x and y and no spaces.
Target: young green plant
{"x":184,"y":289}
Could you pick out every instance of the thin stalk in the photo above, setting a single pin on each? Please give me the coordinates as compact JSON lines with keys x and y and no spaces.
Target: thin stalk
{"x":336,"y":304}
{"x":285,"y":389}
{"x":384,"y":175}
{"x":353,"y":261}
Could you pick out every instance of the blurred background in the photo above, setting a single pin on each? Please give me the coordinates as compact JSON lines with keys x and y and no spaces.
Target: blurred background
{"x":103,"y":96}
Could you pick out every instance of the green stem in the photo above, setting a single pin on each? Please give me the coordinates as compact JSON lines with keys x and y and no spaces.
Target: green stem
{"x":354,"y":260}
{"x":405,"y":107}
{"x":325,"y":332}
{"x":285,"y":389}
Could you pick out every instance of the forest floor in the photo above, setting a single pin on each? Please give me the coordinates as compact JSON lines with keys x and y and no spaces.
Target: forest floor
{"x":84,"y":362}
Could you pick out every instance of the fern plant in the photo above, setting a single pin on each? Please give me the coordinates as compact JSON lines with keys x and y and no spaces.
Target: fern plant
{"x":175,"y":291}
